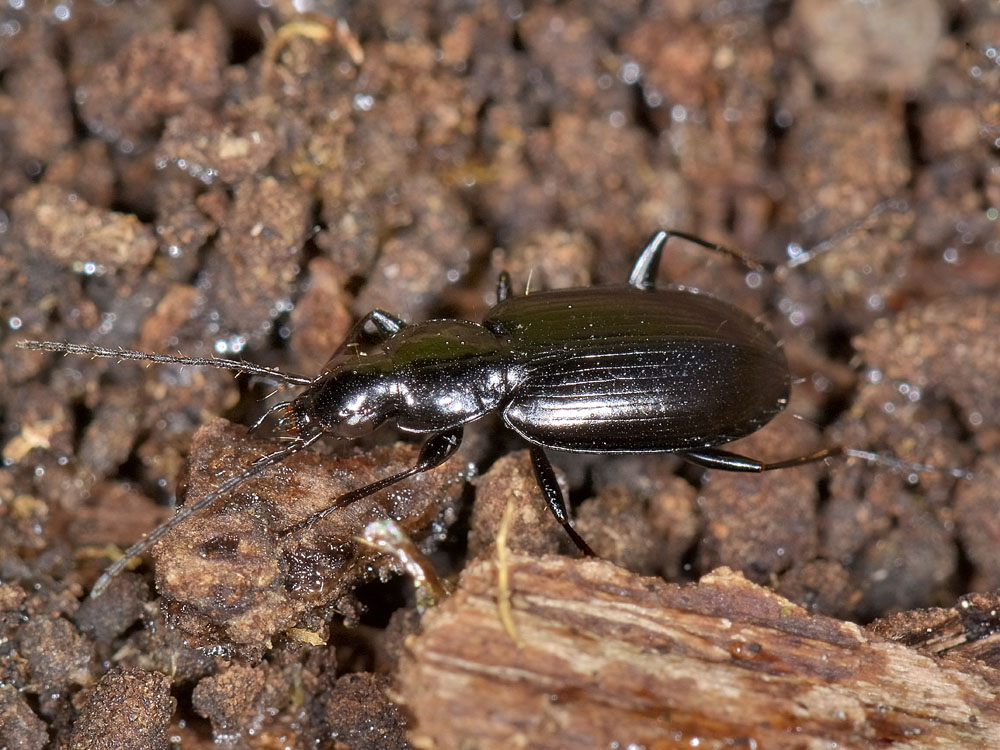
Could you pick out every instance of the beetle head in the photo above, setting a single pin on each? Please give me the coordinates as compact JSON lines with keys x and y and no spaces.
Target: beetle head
{"x":350,"y":400}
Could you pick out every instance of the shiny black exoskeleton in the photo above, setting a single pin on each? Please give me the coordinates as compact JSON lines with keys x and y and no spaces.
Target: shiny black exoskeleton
{"x":629,"y":369}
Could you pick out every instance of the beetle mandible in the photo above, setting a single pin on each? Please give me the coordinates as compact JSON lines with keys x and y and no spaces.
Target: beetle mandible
{"x":619,"y":369}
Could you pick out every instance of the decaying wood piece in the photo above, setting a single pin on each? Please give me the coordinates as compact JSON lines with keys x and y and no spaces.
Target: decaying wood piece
{"x":610,"y":659}
{"x":970,"y":629}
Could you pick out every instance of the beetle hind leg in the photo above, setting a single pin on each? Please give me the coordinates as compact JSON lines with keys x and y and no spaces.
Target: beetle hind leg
{"x":554,"y":498}
{"x":712,"y":458}
{"x":647,"y":266}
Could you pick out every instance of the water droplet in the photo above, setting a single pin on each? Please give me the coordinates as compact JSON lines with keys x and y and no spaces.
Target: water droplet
{"x":630,"y":73}
{"x":875,"y":302}
{"x":783,"y":118}
{"x":821,"y":383}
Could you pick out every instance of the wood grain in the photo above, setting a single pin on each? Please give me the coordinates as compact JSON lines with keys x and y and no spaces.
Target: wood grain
{"x":614,"y":660}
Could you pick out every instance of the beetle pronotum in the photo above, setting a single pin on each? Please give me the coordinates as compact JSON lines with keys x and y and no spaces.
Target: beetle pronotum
{"x":627,"y":369}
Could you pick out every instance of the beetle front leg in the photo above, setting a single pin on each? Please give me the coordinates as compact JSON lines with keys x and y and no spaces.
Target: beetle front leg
{"x":712,"y":458}
{"x":554,"y":498}
{"x":385,"y":324}
{"x":435,"y":451}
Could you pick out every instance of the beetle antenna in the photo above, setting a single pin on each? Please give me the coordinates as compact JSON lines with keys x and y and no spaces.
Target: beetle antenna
{"x":237,"y":365}
{"x":257,"y":467}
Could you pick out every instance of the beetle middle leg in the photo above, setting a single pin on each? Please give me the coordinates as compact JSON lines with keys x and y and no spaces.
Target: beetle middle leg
{"x":554,"y":498}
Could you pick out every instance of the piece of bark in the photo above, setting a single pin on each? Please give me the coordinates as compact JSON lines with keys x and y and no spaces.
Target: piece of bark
{"x":611,"y":659}
{"x":971,"y":629}
{"x":236,"y":574}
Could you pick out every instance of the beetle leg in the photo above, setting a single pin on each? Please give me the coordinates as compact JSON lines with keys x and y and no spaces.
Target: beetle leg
{"x":284,"y":405}
{"x":726,"y":461}
{"x":386,"y":326}
{"x":712,"y":458}
{"x":554,"y":498}
{"x":503,"y":286}
{"x":436,"y":450}
{"x":386,"y":323}
{"x":646,"y":267}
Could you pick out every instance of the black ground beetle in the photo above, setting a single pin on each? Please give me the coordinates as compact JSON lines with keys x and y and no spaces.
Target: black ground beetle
{"x":626,"y":369}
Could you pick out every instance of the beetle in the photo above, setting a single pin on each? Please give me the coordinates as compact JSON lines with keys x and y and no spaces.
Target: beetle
{"x":622,"y":369}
